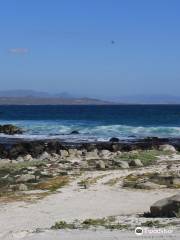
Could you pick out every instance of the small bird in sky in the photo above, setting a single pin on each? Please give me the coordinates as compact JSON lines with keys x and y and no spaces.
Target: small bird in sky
{"x":112,"y":42}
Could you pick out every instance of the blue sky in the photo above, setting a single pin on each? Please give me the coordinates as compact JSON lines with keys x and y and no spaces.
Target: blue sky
{"x":66,"y":45}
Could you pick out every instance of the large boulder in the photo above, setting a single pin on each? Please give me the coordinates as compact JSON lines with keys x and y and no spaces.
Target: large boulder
{"x":53,"y":146}
{"x":104,"y":154}
{"x":135,"y":163}
{"x":28,"y":158}
{"x":34,"y":148}
{"x":16,"y":150}
{"x":167,"y":148}
{"x":167,"y":207}
{"x":176,"y":182}
{"x":74,"y":132}
{"x":64,"y":153}
{"x":121,"y":164}
{"x":10,"y":129}
{"x":45,"y":156}
{"x":3,"y":151}
{"x":114,"y":139}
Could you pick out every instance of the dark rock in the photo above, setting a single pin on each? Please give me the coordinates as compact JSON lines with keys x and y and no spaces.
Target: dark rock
{"x":63,"y":173}
{"x":114,"y":139}
{"x":10,"y":129}
{"x":74,"y":132}
{"x":34,"y":148}
{"x":16,"y":150}
{"x":12,"y":148}
{"x":53,"y":147}
{"x":167,"y":207}
{"x":3,"y":151}
{"x":123,"y":147}
{"x":151,"y":138}
{"x":104,"y":145}
{"x":89,"y":146}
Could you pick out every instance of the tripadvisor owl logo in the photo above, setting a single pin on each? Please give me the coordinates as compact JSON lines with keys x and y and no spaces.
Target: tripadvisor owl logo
{"x":139,"y":231}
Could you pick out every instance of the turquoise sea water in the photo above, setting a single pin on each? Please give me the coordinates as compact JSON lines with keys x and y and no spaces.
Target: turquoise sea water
{"x":94,"y":122}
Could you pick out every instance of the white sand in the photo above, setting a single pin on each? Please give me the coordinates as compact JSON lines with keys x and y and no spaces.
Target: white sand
{"x":92,"y":235}
{"x":75,"y":203}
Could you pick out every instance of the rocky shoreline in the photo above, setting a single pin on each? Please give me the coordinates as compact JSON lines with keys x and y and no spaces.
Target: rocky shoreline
{"x":140,"y":176}
{"x":13,"y":148}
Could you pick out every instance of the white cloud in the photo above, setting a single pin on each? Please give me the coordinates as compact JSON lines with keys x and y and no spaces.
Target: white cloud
{"x":18,"y":50}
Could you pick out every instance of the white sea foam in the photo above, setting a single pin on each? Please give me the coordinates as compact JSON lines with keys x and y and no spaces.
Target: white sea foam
{"x":88,"y":130}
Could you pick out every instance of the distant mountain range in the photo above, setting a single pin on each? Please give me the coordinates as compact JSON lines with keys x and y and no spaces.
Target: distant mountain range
{"x":30,"y":97}
{"x":148,"y":99}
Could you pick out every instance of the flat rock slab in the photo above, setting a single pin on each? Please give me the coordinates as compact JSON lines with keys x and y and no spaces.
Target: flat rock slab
{"x":167,"y":207}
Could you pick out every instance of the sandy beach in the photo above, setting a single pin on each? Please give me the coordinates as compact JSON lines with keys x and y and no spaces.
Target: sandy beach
{"x":20,"y":220}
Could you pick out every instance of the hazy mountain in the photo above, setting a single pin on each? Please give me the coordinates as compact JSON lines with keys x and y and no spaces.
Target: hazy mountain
{"x":147,"y":99}
{"x":30,"y":97}
{"x":64,"y":97}
{"x":51,"y":101}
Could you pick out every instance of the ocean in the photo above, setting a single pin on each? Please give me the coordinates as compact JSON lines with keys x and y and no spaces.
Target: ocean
{"x":94,"y":123}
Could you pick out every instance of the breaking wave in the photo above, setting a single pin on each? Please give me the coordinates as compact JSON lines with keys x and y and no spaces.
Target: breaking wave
{"x":89,"y":130}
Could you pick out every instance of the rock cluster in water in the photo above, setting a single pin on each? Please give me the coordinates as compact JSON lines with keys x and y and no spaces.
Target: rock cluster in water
{"x":10,"y":129}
